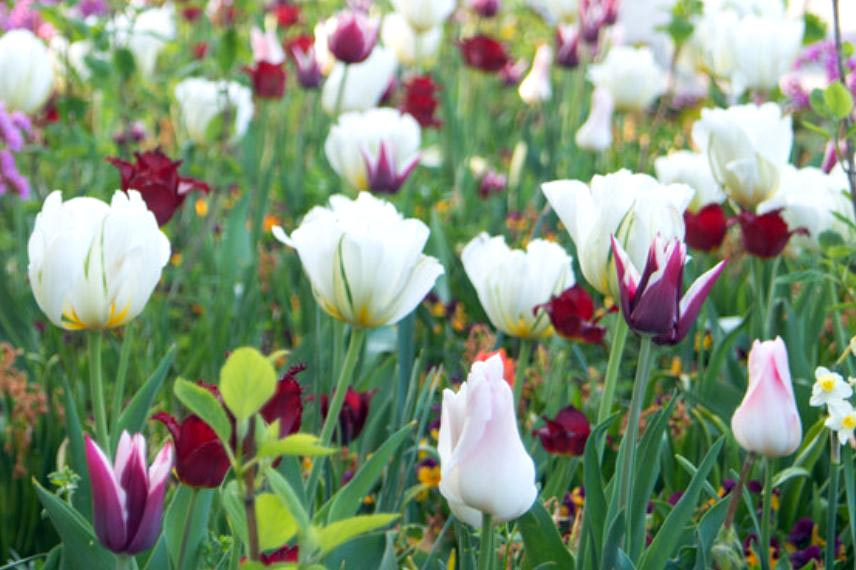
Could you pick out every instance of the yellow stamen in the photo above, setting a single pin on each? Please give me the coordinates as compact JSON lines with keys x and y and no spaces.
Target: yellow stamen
{"x":826,"y":382}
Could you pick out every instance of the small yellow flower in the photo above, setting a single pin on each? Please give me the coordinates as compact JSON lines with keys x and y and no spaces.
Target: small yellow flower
{"x":201,"y":207}
{"x":176,"y":259}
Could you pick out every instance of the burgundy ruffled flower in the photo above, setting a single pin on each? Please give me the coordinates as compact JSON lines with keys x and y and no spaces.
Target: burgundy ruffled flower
{"x":286,"y":404}
{"x":352,"y":418}
{"x":286,"y":13}
{"x":566,"y":434}
{"x":200,"y":459}
{"x":765,"y":235}
{"x":484,"y":53}
{"x":268,"y":79}
{"x":420,"y":100}
{"x":571,"y":313}
{"x":705,"y":229}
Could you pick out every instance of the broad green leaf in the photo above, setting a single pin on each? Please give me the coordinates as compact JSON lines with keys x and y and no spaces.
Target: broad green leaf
{"x":342,"y":531}
{"x":542,"y":541}
{"x":614,"y":540}
{"x":276,"y":525}
{"x":77,"y":453}
{"x":234,"y":507}
{"x":595,"y":511}
{"x":134,"y":416}
{"x":205,"y":405}
{"x":789,"y":473}
{"x":283,"y":490}
{"x":296,"y":444}
{"x":707,"y":530}
{"x":247,"y":382}
{"x":838,"y":99}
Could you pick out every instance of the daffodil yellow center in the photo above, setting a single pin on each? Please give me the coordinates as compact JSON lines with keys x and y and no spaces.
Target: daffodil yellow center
{"x":849,"y":422}
{"x":827,"y":383}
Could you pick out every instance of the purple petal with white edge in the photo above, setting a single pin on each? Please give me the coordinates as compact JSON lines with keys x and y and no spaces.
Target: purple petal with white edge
{"x":692,"y":301}
{"x":655,"y":311}
{"x":655,"y":261}
{"x":408,"y":169}
{"x":150,"y":524}
{"x":108,"y":499}
{"x":628,"y":278}
{"x":135,"y":481}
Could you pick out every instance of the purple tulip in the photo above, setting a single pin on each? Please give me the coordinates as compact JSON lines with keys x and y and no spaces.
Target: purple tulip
{"x":127,"y":500}
{"x":354,"y":38}
{"x":384,"y":174}
{"x":652,"y":303}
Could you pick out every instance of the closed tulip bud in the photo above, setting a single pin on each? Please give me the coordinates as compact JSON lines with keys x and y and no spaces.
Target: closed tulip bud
{"x":145,"y":35}
{"x":571,"y":314}
{"x":26,"y":71}
{"x":302,"y":51}
{"x":365,"y":83}
{"x":632,"y":77}
{"x":484,"y":53}
{"x":596,"y":133}
{"x":286,"y":404}
{"x":421,"y":100}
{"x":376,"y":150}
{"x":486,"y":8}
{"x":706,"y":228}
{"x":364,"y":260}
{"x":409,"y":45}
{"x":94,"y":265}
{"x":127,"y":499}
{"x":484,"y":466}
{"x":206,"y":107}
{"x":354,"y":37}
{"x":767,"y":421}
{"x":201,"y":460}
{"x":422,"y":15}
{"x":512,"y":283}
{"x":567,"y":46}
{"x":536,"y":88}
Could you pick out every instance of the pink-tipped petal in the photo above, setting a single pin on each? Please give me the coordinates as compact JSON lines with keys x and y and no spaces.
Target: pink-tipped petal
{"x":108,"y":510}
{"x":628,"y":277}
{"x":693,"y":299}
{"x":151,"y":521}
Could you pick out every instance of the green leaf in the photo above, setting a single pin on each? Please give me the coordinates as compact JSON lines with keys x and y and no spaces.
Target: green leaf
{"x":205,"y":405}
{"x":304,"y":444}
{"x":77,"y":452}
{"x":134,"y":416}
{"x":348,"y":499}
{"x":612,"y":552}
{"x":234,"y":507}
{"x":123,"y":59}
{"x":276,"y":524}
{"x":817,"y":100}
{"x":707,"y":530}
{"x":247,"y":382}
{"x":814,"y":30}
{"x":669,"y":535}
{"x":227,"y":50}
{"x":283,"y":490}
{"x":595,"y":511}
{"x":839,"y":100}
{"x":789,"y":473}
{"x":80,"y":547}
{"x":342,"y":531}
{"x":542,"y":541}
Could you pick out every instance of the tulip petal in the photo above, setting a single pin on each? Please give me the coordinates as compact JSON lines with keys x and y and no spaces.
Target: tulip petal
{"x":150,"y":523}
{"x":108,"y":499}
{"x":655,"y":310}
{"x":134,"y":480}
{"x":693,"y":299}
{"x":628,"y":278}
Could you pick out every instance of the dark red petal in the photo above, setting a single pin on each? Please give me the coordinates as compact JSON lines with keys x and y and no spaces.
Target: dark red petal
{"x":705,"y":229}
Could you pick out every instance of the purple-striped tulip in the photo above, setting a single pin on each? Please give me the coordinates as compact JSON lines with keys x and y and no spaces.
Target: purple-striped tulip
{"x":127,"y":500}
{"x":652,"y":303}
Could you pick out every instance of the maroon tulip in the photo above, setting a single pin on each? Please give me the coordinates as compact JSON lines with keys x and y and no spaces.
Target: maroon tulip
{"x":706,"y":228}
{"x":485,"y":8}
{"x":156,"y":178}
{"x":765,"y":235}
{"x":352,"y":418}
{"x":492,"y":182}
{"x":286,"y":405}
{"x":420,"y":100}
{"x":354,"y":38}
{"x":596,"y":15}
{"x":566,"y":434}
{"x":567,"y":47}
{"x":571,"y":314}
{"x":268,"y":79}
{"x":287,"y":14}
{"x":200,"y":458}
{"x":484,"y":53}
{"x":652,"y":303}
{"x":302,"y":51}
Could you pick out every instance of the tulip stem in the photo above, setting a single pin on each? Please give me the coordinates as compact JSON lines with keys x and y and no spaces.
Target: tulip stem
{"x":345,"y":376}
{"x":188,"y":520}
{"x":122,"y":375}
{"x":737,"y":492}
{"x":520,"y":372}
{"x":640,"y":386}
{"x":486,"y":552}
{"x":340,"y":95}
{"x":96,"y":387}
{"x":766,"y":514}
{"x":832,"y":499}
{"x":616,"y":352}
{"x":249,"y":475}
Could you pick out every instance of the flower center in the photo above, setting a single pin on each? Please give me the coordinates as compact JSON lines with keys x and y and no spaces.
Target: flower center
{"x":827,"y":383}
{"x":849,"y":421}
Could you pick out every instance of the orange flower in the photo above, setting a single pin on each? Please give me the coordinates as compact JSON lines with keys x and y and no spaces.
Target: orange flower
{"x":507,"y":364}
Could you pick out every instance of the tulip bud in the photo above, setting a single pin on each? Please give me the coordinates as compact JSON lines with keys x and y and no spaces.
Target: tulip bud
{"x":302,"y":51}
{"x":484,"y":53}
{"x":354,"y":37}
{"x":706,"y":229}
{"x":767,"y":421}
{"x":420,"y":100}
{"x":26,"y":71}
{"x":201,"y":103}
{"x":596,"y":133}
{"x":485,"y":8}
{"x":571,"y":314}
{"x":536,"y":88}
{"x":201,"y":460}
{"x":352,"y":418}
{"x":484,"y":466}
{"x":766,"y":235}
{"x":423,"y":15}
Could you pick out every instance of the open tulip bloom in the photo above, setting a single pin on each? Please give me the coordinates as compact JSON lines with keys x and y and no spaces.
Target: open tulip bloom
{"x":651,"y":302}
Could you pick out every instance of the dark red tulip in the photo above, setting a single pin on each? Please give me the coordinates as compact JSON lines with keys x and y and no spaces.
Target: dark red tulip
{"x":485,"y":8}
{"x":156,"y":178}
{"x":287,"y":14}
{"x":200,"y":50}
{"x":484,"y":53}
{"x":200,"y":460}
{"x":268,"y":79}
{"x":571,"y":314}
{"x":277,"y":557}
{"x":766,"y":235}
{"x":566,"y":434}
{"x":567,"y":47}
{"x":302,"y":52}
{"x":420,"y":100}
{"x":354,"y":38}
{"x":191,"y":13}
{"x":286,"y":405}
{"x":352,"y":418}
{"x":706,"y":228}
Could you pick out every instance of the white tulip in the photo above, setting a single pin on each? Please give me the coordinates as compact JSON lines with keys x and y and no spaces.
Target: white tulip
{"x":145,"y":34}
{"x":323,"y":30}
{"x":374,"y":149}
{"x":596,"y":133}
{"x":71,"y":58}
{"x":535,"y":87}
{"x":632,"y":77}
{"x":408,"y":45}
{"x":483,"y":465}
{"x":511,"y":283}
{"x":713,"y":42}
{"x":762,"y":8}
{"x":201,"y":101}
{"x":365,"y":83}
{"x":765,"y":49}
{"x":748,"y":146}
{"x":423,"y":15}
{"x":26,"y":71}
{"x":94,"y":265}
{"x":364,"y":260}
{"x":693,"y":169}
{"x":557,"y":11}
{"x":633,"y":207}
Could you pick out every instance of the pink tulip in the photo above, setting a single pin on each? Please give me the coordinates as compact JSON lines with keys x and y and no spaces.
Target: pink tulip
{"x":767,"y":421}
{"x":127,"y":500}
{"x":354,"y":37}
{"x":266,"y":47}
{"x":652,"y":303}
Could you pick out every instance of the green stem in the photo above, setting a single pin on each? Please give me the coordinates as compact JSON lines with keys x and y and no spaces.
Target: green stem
{"x":520,"y":370}
{"x":486,"y":552}
{"x":771,"y":298}
{"x":832,"y":499}
{"x":640,"y":386}
{"x":616,"y":352}
{"x":767,"y":511}
{"x":760,"y":311}
{"x":340,"y":96}
{"x":122,"y":375}
{"x":188,"y":521}
{"x":125,"y":562}
{"x":96,"y":387}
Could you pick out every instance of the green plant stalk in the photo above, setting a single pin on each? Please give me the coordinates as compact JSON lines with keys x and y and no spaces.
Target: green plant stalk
{"x":125,"y":562}
{"x":832,"y":499}
{"x":616,"y":352}
{"x":640,"y":386}
{"x":248,"y":474}
{"x":767,"y":511}
{"x":759,"y":314}
{"x":122,"y":375}
{"x":486,"y":552}
{"x":737,"y":492}
{"x":188,"y":520}
{"x":96,"y":386}
{"x":340,"y":95}
{"x":771,"y":298}
{"x":850,"y":488}
{"x":520,"y":370}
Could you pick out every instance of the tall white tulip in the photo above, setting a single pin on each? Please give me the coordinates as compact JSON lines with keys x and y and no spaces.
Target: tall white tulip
{"x":422,"y":15}
{"x":365,"y":83}
{"x":748,"y":146}
{"x":633,"y":207}
{"x":535,"y":87}
{"x":94,"y":265}
{"x":409,"y":45}
{"x":374,"y":150}
{"x":596,"y":133}
{"x":364,"y":260}
{"x":26,"y":71}
{"x":201,"y":101}
{"x":693,"y":169}
{"x":632,"y":77}
{"x":511,"y":282}
{"x":765,"y":49}
{"x":483,"y":464}
{"x":144,"y":34}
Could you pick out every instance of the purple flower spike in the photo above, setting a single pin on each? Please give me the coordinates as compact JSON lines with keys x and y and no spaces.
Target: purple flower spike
{"x":9,"y":175}
{"x":383,"y":173}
